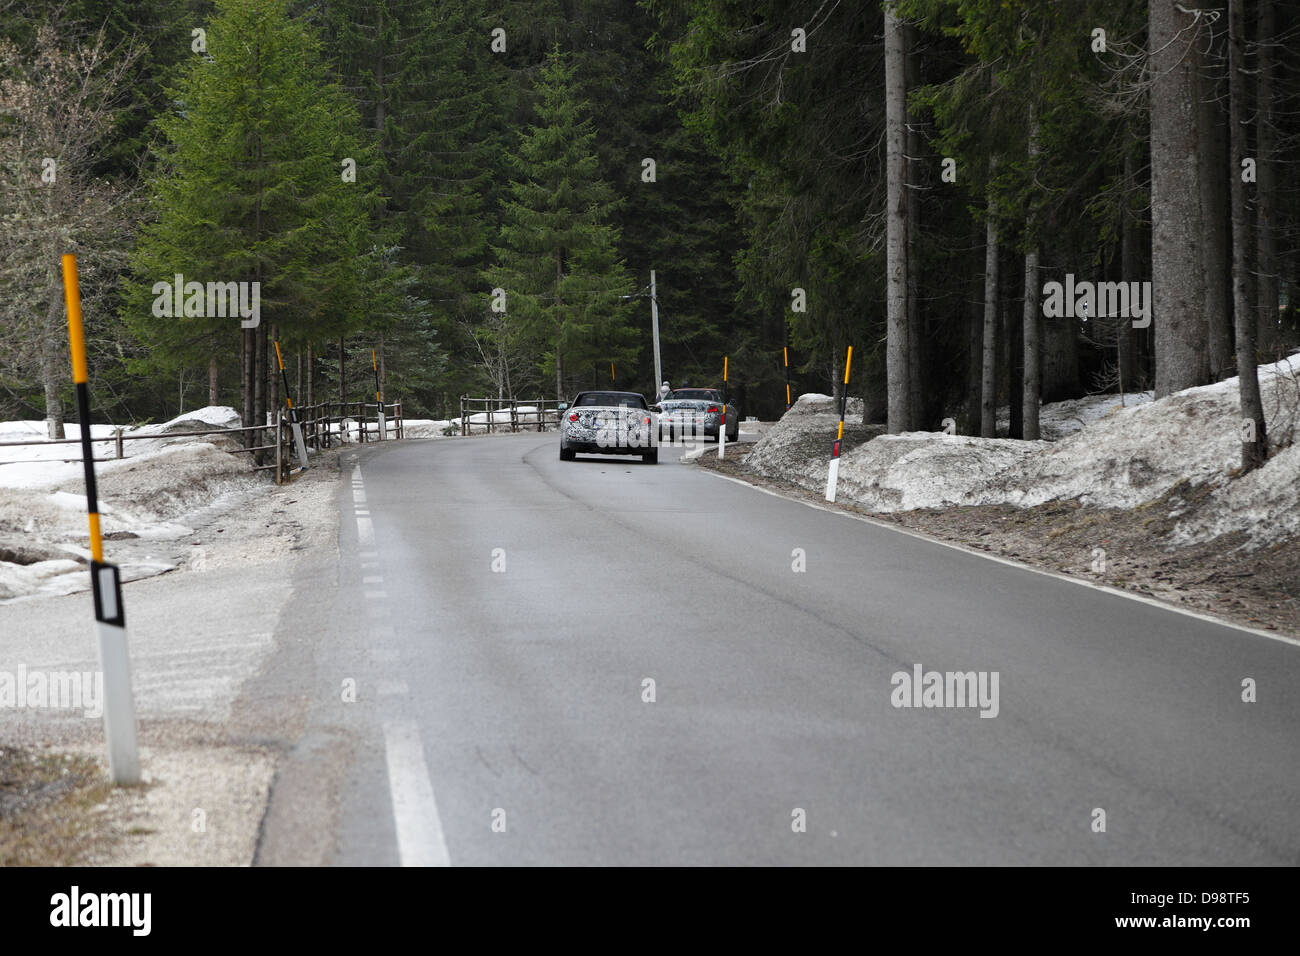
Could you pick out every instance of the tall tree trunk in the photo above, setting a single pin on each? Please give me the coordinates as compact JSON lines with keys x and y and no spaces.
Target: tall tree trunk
{"x":343,"y":389}
{"x":1059,"y":365}
{"x":311,"y":378}
{"x":559,"y":373}
{"x":1216,"y":267}
{"x":1266,"y":262}
{"x":259,"y":387}
{"x":274,"y":379}
{"x":989,"y":370}
{"x":1032,"y":355}
{"x":53,"y":364}
{"x":559,"y":328}
{"x":1178,"y":282}
{"x":1031,"y":383}
{"x":974,"y":364}
{"x":1128,"y":264}
{"x":246,"y":347}
{"x":1254,"y":447}
{"x":1014,"y":327}
{"x":916,"y":337}
{"x":897,"y":351}
{"x":214,"y":392}
{"x":253,"y":382}
{"x":297,"y":385}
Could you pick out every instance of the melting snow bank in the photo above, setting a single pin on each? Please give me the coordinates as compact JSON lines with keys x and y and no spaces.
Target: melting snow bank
{"x":1059,"y":419}
{"x":146,"y":495}
{"x":1117,"y":457}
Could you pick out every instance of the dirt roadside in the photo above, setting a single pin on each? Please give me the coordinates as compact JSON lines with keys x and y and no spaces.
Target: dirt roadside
{"x":1121,"y":548}
{"x":206,"y":780}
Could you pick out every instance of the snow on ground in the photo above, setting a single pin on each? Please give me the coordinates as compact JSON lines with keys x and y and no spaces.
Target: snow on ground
{"x":1116,"y":457}
{"x":1059,"y":419}
{"x":795,"y":448}
{"x":424,"y":428}
{"x":525,"y":418}
{"x":147,"y":494}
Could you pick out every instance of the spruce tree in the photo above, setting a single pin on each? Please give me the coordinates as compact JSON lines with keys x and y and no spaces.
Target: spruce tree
{"x":557,"y":254}
{"x":253,"y":189}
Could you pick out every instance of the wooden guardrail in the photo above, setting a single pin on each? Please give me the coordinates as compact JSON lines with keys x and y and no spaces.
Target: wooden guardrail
{"x":524,"y":414}
{"x":325,"y":425}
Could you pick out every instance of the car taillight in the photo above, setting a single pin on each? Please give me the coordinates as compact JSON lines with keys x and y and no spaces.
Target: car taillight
{"x":646,"y":420}
{"x":713,"y":409}
{"x":573,"y":417}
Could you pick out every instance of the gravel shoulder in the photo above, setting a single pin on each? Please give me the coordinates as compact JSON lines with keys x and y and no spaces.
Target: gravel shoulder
{"x":207,"y":772}
{"x":1119,"y":547}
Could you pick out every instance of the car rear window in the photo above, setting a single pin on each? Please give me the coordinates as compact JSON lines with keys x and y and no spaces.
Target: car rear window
{"x":610,"y":399}
{"x":705,"y":394}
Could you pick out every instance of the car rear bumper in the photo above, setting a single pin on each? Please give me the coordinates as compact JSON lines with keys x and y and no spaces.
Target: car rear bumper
{"x":688,"y":429}
{"x":596,"y":448}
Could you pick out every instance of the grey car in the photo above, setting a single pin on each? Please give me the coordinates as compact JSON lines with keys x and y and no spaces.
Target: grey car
{"x":692,"y":412}
{"x":609,"y":423}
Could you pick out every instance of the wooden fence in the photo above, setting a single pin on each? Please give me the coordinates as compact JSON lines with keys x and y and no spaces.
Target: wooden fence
{"x":508,"y":414}
{"x":325,"y":425}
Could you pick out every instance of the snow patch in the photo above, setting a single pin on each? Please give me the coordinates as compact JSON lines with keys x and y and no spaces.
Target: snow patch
{"x":1110,"y":455}
{"x":165,"y":477}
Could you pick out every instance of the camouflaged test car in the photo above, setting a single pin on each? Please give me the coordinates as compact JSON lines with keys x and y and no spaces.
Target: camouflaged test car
{"x":609,"y":423}
{"x":694,"y":413}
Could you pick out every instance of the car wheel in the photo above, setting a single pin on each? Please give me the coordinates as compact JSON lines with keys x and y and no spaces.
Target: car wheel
{"x":650,"y":457}
{"x":566,"y":454}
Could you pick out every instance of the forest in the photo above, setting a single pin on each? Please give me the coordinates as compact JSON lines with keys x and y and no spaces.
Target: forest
{"x":996,"y":203}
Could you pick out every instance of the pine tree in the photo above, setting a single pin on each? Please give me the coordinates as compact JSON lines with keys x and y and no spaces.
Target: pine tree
{"x":254,"y":190}
{"x":557,"y":255}
{"x":427,"y":94}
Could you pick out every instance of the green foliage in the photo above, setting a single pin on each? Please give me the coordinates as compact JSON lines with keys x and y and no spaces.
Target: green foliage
{"x":251,"y":190}
{"x":557,"y":257}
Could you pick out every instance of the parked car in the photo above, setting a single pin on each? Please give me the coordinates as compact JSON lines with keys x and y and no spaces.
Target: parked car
{"x":692,"y":412}
{"x":609,"y":423}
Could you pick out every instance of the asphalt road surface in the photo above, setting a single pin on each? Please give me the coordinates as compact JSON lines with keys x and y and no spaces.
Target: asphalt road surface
{"x":500,"y":614}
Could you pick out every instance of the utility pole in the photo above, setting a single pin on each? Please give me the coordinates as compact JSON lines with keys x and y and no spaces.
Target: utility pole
{"x":654,"y":330}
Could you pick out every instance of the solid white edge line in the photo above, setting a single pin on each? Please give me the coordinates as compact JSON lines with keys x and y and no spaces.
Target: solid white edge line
{"x":420,"y":840}
{"x":1272,"y":635}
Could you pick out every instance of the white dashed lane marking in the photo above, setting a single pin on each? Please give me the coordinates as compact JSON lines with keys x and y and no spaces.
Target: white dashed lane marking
{"x":420,"y":840}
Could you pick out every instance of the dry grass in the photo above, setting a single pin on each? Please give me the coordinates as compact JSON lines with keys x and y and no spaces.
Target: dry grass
{"x":49,"y":805}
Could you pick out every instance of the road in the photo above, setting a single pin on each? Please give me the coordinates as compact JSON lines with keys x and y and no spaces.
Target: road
{"x":501,"y":715}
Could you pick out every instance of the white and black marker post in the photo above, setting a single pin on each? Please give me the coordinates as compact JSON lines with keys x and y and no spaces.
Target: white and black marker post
{"x":722,"y":427}
{"x":833,"y":477}
{"x":106,"y":583}
{"x":374,"y":362}
{"x":295,"y":426}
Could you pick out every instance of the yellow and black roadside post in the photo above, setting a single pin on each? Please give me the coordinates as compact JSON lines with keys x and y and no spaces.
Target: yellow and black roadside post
{"x":785,"y":360}
{"x":300,"y":446}
{"x":374,"y":363}
{"x":832,"y":479}
{"x":722,"y":422}
{"x":105,"y":581}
